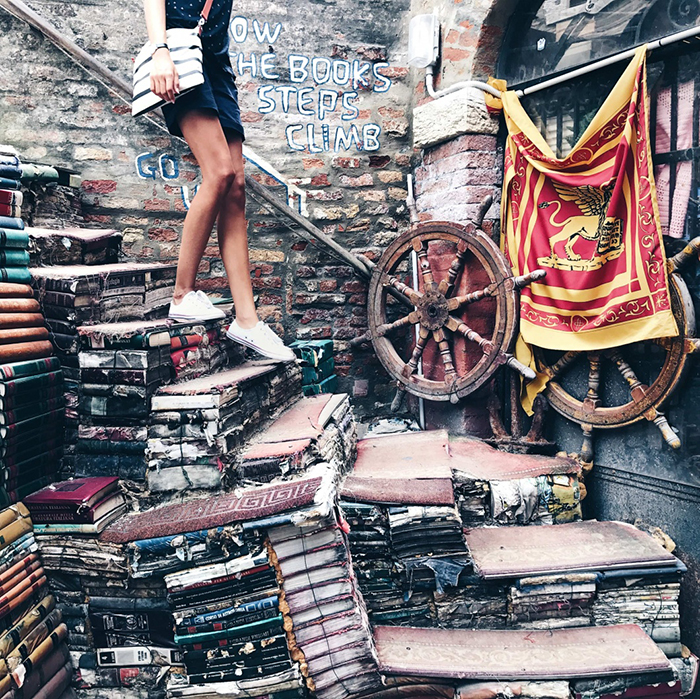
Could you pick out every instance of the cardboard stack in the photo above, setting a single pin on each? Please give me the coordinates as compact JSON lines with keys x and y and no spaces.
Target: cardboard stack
{"x":34,"y":657}
{"x":197,"y":426}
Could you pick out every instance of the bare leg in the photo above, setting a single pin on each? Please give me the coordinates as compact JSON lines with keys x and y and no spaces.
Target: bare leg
{"x":207,"y":141}
{"x":233,"y":240}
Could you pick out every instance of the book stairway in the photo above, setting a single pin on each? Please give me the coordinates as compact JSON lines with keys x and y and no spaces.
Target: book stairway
{"x":290,"y":588}
{"x":73,"y":246}
{"x":34,"y":657}
{"x":121,"y":367}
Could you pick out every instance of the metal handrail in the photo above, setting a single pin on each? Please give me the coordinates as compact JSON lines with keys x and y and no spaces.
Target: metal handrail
{"x":122,"y":89}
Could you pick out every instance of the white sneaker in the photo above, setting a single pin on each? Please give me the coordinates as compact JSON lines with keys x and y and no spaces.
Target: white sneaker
{"x":262,"y":339}
{"x":194,"y":307}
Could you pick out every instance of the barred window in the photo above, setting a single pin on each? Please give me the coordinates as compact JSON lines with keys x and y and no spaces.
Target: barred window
{"x":564,"y":34}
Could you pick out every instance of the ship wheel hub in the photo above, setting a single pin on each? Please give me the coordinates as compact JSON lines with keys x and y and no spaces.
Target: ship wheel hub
{"x":432,"y":310}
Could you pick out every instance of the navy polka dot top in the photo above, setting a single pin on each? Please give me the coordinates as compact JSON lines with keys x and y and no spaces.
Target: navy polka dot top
{"x":185,"y":13}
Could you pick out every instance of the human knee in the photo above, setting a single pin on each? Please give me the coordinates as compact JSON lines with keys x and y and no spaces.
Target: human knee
{"x":223,"y":178}
{"x":236,"y":191}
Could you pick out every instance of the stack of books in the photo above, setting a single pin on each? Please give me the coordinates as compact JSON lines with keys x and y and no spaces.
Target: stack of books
{"x":113,"y":417}
{"x":228,"y":620}
{"x":317,"y":366}
{"x":71,"y":296}
{"x":326,"y":608}
{"x":34,"y":657}
{"x":80,"y":506}
{"x":315,"y":429}
{"x":14,"y":258}
{"x":201,"y":349}
{"x":493,"y":487}
{"x":197,"y":426}
{"x":73,"y":246}
{"x":23,"y":330}
{"x":648,"y":598}
{"x":582,"y":574}
{"x":74,"y":295}
{"x":31,"y":425}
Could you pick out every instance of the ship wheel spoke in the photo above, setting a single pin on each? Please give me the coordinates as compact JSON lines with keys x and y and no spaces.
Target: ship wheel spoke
{"x":638,"y":391}
{"x":421,"y":249}
{"x":447,"y":285}
{"x":561,"y":364}
{"x":458,"y":301}
{"x":592,"y":399}
{"x":421,"y":342}
{"x":487,"y":347}
{"x":447,"y":361}
{"x":405,"y":293}
{"x":410,"y":319}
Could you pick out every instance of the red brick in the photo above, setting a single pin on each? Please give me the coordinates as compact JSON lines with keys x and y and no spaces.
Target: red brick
{"x":320,"y":181}
{"x":121,"y":109}
{"x":393,"y":72}
{"x":163,"y":234}
{"x":251,"y":117}
{"x":299,"y":245}
{"x":312,"y":163}
{"x":305,"y":271}
{"x":266,"y":283}
{"x":328,"y":285}
{"x":156,"y":205}
{"x":379,"y":160}
{"x":452,"y":54}
{"x":98,"y":186}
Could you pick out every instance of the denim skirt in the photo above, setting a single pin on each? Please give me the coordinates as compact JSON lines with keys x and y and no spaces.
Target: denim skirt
{"x":217,"y":93}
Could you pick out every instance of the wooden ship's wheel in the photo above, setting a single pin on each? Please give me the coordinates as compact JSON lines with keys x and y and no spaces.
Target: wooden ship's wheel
{"x":606,"y":389}
{"x":414,"y":318}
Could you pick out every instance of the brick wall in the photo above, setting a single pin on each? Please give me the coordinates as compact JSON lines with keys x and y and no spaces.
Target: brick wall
{"x":138,"y":179}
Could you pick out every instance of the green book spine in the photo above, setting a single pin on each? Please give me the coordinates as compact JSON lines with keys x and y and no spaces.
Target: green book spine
{"x":7,"y":183}
{"x":31,"y":383}
{"x":10,"y":238}
{"x":29,"y":368}
{"x":16,"y":275}
{"x":14,"y":258}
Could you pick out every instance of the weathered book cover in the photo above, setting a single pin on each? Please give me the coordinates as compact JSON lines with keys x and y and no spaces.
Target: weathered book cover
{"x":522,"y":654}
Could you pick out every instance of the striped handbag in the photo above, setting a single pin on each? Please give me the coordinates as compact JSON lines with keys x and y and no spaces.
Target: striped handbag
{"x":185,"y":47}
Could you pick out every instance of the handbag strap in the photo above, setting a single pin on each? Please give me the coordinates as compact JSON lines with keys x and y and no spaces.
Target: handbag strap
{"x":204,"y":15}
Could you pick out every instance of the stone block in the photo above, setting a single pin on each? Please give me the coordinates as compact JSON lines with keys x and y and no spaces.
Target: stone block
{"x":451,"y":116}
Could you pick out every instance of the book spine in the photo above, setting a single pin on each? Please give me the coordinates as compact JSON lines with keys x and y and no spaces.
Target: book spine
{"x":14,"y":258}
{"x":18,"y":240}
{"x":11,"y":222}
{"x":7,"y":183}
{"x":30,"y":384}
{"x":29,"y":368}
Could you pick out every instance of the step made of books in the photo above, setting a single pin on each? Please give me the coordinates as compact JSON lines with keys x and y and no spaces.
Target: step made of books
{"x":196,"y":428}
{"x":318,"y":428}
{"x":73,"y":246}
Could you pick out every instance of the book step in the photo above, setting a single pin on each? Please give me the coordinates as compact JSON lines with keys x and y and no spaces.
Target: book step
{"x":433,"y":468}
{"x":73,"y":246}
{"x":313,"y":429}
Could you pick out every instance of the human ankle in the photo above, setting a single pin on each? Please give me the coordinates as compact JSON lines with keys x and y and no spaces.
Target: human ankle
{"x":246,"y":322}
{"x":180,"y":294}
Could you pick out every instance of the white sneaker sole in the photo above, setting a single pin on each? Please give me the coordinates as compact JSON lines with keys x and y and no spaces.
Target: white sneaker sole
{"x":195,"y":319}
{"x":265,"y":353}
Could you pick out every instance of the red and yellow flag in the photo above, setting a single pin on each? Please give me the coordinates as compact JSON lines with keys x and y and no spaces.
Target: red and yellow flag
{"x":591,"y":221}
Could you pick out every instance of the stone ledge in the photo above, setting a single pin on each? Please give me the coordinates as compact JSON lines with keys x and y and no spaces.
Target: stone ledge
{"x":450,"y":116}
